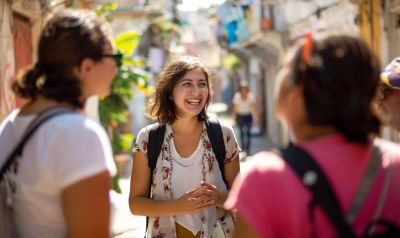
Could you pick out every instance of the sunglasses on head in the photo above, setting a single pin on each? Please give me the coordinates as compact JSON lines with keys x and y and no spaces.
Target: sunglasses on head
{"x":117,"y":57}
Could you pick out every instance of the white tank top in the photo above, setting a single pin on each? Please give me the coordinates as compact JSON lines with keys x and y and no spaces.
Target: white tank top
{"x":187,"y":176}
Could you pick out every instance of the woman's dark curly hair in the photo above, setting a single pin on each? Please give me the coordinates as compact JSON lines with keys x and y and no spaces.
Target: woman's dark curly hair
{"x":66,"y":40}
{"x":160,"y":106}
{"x":340,"y":80}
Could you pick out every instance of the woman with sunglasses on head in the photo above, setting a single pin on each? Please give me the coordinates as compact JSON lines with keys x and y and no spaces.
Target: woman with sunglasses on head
{"x":62,"y":180}
{"x":187,"y":185}
{"x":326,"y":89}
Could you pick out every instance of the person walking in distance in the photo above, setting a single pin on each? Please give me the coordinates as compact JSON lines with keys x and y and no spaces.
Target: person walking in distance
{"x":325,"y":95}
{"x":61,"y":182}
{"x":187,"y":186}
{"x":244,"y":112}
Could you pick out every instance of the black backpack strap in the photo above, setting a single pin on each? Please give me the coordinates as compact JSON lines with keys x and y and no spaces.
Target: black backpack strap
{"x":314,"y":179}
{"x":214,"y":132}
{"x":32,"y":127}
{"x":156,"y":139}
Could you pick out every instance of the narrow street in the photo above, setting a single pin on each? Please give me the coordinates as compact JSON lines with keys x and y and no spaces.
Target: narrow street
{"x":107,"y":59}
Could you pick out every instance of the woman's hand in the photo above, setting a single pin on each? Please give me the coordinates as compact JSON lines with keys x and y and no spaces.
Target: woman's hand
{"x":218,"y":196}
{"x":195,"y":200}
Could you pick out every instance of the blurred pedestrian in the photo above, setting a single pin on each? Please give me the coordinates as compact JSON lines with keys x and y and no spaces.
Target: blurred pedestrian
{"x":62,"y":181}
{"x":244,"y":112}
{"x":325,"y":93}
{"x":388,"y":99}
{"x":187,"y":184}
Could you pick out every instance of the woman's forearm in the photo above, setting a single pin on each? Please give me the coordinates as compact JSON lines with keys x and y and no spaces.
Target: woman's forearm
{"x":221,"y":199}
{"x":144,"y":206}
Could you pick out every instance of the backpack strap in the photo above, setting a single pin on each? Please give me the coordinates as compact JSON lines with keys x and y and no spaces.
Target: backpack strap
{"x":366,"y":184}
{"x":156,"y":139}
{"x":314,"y":179}
{"x":32,"y":127}
{"x":155,"y":142}
{"x":214,"y":132}
{"x":381,"y":202}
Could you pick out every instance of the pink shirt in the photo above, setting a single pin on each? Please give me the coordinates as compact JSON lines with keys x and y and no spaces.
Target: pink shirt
{"x":272,"y":199}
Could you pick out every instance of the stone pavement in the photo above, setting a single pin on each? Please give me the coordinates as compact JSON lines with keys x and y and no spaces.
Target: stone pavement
{"x":126,"y":225}
{"x":259,"y":142}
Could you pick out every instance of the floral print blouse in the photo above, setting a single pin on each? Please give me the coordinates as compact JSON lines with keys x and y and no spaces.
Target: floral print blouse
{"x":162,"y":187}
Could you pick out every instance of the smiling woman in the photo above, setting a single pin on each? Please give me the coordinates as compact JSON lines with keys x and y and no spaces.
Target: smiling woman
{"x":191,"y":93}
{"x":182,"y":73}
{"x":183,"y":206}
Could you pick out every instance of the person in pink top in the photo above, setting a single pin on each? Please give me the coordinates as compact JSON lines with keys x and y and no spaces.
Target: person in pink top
{"x":325,"y":91}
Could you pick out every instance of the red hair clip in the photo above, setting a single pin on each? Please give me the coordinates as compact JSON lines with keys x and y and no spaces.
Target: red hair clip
{"x":308,"y":46}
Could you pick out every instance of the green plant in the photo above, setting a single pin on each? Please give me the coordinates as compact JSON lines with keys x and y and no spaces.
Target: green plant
{"x":105,"y":10}
{"x":113,"y":109}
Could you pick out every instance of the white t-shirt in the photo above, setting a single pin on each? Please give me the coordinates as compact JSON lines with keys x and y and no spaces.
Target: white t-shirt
{"x":243,"y":106}
{"x":64,"y":150}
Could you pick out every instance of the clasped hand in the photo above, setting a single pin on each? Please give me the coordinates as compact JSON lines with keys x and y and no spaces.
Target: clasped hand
{"x":198,"y":199}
